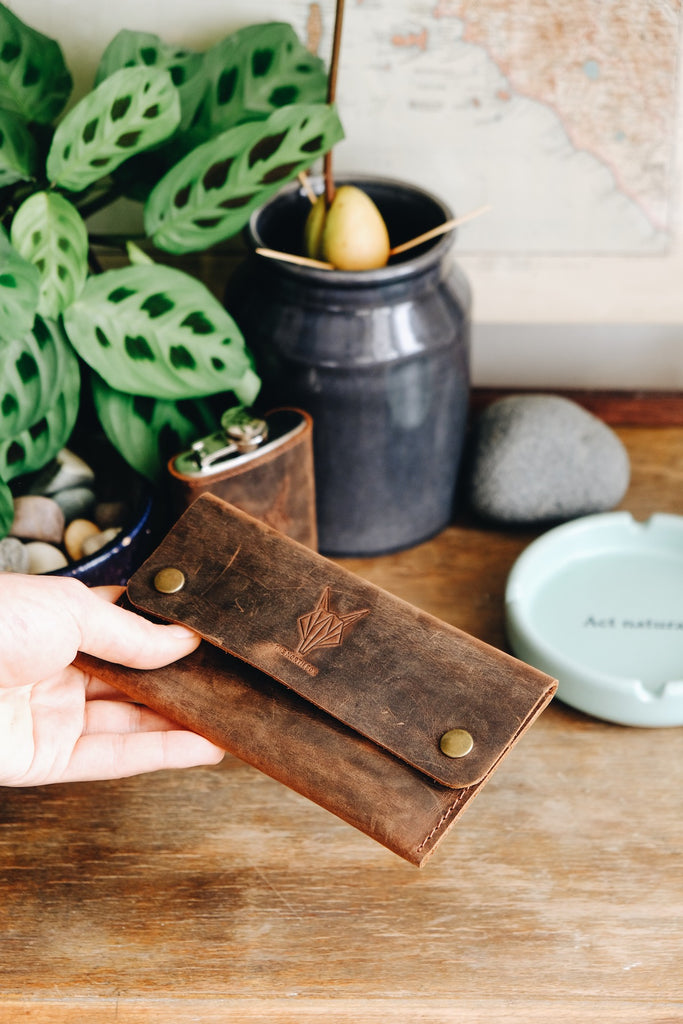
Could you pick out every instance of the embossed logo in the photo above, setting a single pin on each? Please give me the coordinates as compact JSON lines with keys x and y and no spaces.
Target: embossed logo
{"x":319,"y":628}
{"x":323,"y":627}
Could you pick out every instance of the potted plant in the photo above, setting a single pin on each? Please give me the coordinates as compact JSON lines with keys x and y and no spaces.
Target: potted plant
{"x":200,"y":140}
{"x":356,"y":312}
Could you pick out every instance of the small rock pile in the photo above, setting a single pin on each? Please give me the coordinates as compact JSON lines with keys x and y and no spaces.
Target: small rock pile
{"x":59,"y":520}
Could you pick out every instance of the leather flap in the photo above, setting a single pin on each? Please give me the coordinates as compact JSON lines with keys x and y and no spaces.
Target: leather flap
{"x":395,"y":675}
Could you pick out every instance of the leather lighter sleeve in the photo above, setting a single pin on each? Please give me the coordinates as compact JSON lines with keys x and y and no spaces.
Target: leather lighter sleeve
{"x":384,"y":715}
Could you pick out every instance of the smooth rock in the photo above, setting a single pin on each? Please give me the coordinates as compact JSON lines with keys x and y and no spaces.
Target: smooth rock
{"x":543,"y":458}
{"x":96,"y":541}
{"x":44,"y":557}
{"x":75,"y":502}
{"x":111,"y":513}
{"x":66,"y":470}
{"x":75,"y":536}
{"x":13,"y":555}
{"x":37,"y":518}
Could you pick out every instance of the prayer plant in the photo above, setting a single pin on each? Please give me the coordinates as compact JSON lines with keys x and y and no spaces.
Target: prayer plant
{"x":201,"y":140}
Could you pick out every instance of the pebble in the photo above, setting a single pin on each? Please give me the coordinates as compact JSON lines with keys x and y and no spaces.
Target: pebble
{"x":97,"y":541}
{"x":110,"y":513}
{"x":65,"y":471}
{"x":75,"y":536}
{"x":544,"y":458}
{"x":75,"y":502}
{"x":60,"y":521}
{"x":13,"y":555}
{"x":44,"y":557}
{"x":37,"y":518}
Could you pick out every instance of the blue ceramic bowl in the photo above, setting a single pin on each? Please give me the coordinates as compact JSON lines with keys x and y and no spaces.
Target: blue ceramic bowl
{"x":116,"y":562}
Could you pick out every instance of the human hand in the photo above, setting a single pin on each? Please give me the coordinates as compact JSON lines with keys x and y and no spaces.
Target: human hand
{"x":59,"y":724}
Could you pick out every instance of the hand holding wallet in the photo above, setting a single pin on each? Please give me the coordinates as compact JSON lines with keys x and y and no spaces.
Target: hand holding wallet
{"x":363,"y":703}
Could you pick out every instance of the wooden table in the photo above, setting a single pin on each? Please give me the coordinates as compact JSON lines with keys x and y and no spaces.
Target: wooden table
{"x":218,"y":895}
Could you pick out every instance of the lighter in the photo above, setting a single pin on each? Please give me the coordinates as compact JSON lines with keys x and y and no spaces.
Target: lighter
{"x":264,"y":466}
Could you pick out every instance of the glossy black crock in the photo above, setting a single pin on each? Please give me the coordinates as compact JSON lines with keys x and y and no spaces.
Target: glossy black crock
{"x":380,"y":359}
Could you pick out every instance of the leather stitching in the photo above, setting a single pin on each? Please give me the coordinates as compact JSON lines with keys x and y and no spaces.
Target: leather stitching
{"x":442,"y":820}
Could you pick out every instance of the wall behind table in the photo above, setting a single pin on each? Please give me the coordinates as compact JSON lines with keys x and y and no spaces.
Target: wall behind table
{"x":565,"y":118}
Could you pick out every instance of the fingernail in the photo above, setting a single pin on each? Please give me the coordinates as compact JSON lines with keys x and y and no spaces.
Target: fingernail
{"x":182,"y":632}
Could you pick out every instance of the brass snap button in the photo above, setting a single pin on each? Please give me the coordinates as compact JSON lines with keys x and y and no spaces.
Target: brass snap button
{"x":169,"y":580}
{"x":456,"y":743}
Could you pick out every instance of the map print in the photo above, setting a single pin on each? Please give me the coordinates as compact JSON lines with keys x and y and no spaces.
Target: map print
{"x":560,"y":115}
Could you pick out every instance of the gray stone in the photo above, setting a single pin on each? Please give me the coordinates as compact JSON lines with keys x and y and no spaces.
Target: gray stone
{"x":13,"y":555}
{"x":44,"y":557}
{"x":75,"y":502}
{"x":37,"y":518}
{"x":543,"y":458}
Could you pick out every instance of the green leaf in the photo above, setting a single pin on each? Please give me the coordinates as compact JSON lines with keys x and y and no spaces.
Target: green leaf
{"x":149,"y":431}
{"x":34,"y":80}
{"x":210,"y":194}
{"x":17,"y":149}
{"x":156,"y":331}
{"x":254,"y":72}
{"x":48,"y":231}
{"x":33,"y":371}
{"x":143,"y":49}
{"x":19,"y":291}
{"x":137,"y":176}
{"x":35,"y":446}
{"x":6,"y":509}
{"x":133,"y":109}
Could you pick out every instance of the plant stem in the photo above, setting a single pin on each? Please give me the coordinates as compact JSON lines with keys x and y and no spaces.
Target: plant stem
{"x":331,"y":94}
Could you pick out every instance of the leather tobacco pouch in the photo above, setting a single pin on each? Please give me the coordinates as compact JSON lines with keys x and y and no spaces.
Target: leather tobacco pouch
{"x":361,"y":702}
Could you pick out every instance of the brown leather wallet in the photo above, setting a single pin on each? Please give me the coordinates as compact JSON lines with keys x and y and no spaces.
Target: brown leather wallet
{"x":377,"y":711}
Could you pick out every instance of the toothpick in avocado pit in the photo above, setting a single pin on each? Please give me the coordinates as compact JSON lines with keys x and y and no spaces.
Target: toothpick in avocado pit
{"x":426,"y":236}
{"x":291,"y":257}
{"x":440,"y":229}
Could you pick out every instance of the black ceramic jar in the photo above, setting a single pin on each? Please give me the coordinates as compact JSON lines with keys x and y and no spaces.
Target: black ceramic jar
{"x":380,"y":359}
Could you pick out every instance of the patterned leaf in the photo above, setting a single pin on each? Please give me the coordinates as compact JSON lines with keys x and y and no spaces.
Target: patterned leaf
{"x":33,"y":371}
{"x":210,"y":194}
{"x":143,"y":49}
{"x":137,"y":176}
{"x":6,"y":509}
{"x":17,"y":149}
{"x":156,"y":331}
{"x":35,"y":446}
{"x":34,"y":80}
{"x":48,"y":231}
{"x":254,"y":72}
{"x":19,"y":290}
{"x":148,"y":431}
{"x":133,"y":109}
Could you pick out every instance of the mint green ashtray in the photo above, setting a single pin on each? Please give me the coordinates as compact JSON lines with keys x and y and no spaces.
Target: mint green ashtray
{"x":598,"y":604}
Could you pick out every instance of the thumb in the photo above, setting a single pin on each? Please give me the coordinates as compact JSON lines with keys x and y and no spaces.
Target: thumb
{"x":121,"y":636}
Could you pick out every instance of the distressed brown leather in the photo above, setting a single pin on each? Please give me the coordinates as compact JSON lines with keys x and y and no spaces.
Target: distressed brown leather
{"x":276,"y":485}
{"x":327,"y":683}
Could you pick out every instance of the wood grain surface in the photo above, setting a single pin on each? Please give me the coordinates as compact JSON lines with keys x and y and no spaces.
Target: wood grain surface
{"x":218,"y":895}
